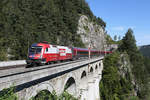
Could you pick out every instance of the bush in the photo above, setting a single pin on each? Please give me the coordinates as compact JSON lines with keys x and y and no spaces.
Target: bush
{"x":46,"y":95}
{"x":8,"y":94}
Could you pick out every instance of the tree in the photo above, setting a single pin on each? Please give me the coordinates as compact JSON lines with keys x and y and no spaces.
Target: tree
{"x":113,"y":85}
{"x":115,"y":37}
{"x":119,"y":38}
{"x":139,"y":70}
{"x":101,"y":22}
{"x":128,"y":42}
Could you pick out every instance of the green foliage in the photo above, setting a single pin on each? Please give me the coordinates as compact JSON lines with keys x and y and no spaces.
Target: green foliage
{"x":46,"y":95}
{"x":134,"y":98}
{"x":147,"y":63}
{"x":110,"y":41}
{"x":115,"y":37}
{"x":113,"y":86}
{"x":119,"y":38}
{"x":3,"y":50}
{"x":66,"y":96}
{"x":8,"y":94}
{"x":3,"y":54}
{"x":139,"y":69}
{"x":128,"y":43}
{"x":86,"y":28}
{"x":99,"y":21}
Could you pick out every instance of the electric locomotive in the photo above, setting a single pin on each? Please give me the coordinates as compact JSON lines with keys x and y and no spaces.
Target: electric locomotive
{"x":44,"y":53}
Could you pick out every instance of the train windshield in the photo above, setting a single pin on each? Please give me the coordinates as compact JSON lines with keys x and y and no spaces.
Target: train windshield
{"x":35,"y":50}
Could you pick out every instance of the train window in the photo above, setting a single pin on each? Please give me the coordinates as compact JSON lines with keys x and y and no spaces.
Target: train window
{"x":36,"y":49}
{"x":46,"y":49}
{"x":83,"y":52}
{"x":54,"y":46}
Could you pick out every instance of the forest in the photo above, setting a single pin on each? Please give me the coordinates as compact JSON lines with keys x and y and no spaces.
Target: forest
{"x":23,"y":22}
{"x":116,"y":87}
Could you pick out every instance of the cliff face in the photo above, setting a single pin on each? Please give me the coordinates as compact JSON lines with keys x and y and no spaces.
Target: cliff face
{"x":118,"y":82}
{"x":92,"y":35}
{"x":125,"y":70}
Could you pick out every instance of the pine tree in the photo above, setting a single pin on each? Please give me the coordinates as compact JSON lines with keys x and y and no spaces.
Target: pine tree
{"x":115,"y":37}
{"x":119,"y":38}
{"x":139,"y":70}
{"x":128,"y":42}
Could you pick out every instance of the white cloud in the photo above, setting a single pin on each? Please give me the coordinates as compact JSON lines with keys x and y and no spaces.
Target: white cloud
{"x":133,"y":27}
{"x":118,"y":28}
{"x":122,"y":28}
{"x":143,"y":39}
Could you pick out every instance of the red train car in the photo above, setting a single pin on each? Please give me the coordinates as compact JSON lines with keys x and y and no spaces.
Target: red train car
{"x":42,"y":53}
{"x":83,"y":52}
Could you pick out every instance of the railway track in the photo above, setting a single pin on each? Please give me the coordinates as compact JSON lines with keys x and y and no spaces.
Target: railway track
{"x":15,"y":70}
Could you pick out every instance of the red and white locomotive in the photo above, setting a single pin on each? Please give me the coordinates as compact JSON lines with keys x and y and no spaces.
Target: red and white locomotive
{"x":44,"y":53}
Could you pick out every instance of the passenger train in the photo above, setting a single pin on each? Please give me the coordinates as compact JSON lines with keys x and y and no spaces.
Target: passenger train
{"x":44,"y":53}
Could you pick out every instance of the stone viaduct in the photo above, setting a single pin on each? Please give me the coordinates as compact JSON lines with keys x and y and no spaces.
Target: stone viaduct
{"x":81,"y":79}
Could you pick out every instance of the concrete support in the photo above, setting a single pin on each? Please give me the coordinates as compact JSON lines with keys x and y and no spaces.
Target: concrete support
{"x":91,"y":91}
{"x":83,"y":94}
{"x":96,"y":88}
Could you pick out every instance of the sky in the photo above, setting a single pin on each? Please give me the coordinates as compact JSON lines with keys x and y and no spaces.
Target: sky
{"x":120,"y":15}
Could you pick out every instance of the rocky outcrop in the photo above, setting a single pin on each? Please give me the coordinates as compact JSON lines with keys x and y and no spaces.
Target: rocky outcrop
{"x":125,"y":70}
{"x":92,"y":34}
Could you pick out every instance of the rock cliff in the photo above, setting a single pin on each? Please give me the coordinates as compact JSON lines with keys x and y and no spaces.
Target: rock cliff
{"x":125,"y":70}
{"x":92,"y":34}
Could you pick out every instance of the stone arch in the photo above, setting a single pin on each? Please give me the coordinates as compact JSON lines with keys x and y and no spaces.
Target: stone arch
{"x":91,"y":70}
{"x":83,"y":74}
{"x":99,"y":64}
{"x":96,"y":67}
{"x":33,"y":91}
{"x":42,"y":94}
{"x":70,"y":84}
